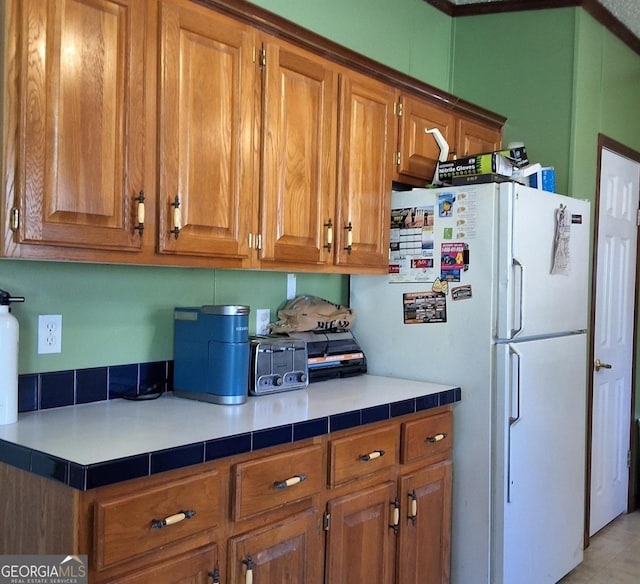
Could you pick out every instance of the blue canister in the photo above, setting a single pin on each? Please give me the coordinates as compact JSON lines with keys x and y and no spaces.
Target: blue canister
{"x":211,"y":353}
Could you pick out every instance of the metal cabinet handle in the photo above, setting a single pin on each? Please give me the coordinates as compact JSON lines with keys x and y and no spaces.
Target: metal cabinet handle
{"x":439,"y":436}
{"x":329,"y":226}
{"x":215,"y":575}
{"x":600,"y":365}
{"x":140,"y":212}
{"x":395,"y":522}
{"x":371,"y":456}
{"x":248,"y":576}
{"x":349,"y":230}
{"x":177,"y":217}
{"x":294,"y":480}
{"x":413,"y":506}
{"x":172,"y":519}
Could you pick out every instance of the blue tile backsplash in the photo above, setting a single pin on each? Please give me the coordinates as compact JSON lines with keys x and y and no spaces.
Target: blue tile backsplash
{"x":81,"y":386}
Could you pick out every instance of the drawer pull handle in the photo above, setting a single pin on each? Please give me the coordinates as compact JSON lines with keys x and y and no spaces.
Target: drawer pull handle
{"x":371,"y":455}
{"x":294,"y":480}
{"x":248,"y":577}
{"x":436,"y":438}
{"x":177,"y":518}
{"x":413,"y":506}
{"x":396,"y":516}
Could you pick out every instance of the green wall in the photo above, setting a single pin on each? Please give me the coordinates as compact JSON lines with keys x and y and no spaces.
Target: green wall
{"x":124,"y":314}
{"x":408,"y":35}
{"x":607,"y":98}
{"x":520,"y":64}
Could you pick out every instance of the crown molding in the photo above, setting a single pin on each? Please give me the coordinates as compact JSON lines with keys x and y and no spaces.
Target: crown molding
{"x":593,"y":7}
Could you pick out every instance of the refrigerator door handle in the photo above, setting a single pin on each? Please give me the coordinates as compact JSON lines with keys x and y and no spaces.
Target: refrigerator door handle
{"x":514,"y":383}
{"x":514,"y":353}
{"x":515,"y":262}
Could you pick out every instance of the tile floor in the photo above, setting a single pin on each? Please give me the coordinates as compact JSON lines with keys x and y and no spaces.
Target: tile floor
{"x":613,"y":557}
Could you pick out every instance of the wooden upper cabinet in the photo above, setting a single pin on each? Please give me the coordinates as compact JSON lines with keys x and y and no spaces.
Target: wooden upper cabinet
{"x":418,"y":152}
{"x":81,"y":122}
{"x":473,"y":137}
{"x":366,"y":139}
{"x":297,"y":190}
{"x":206,"y":130}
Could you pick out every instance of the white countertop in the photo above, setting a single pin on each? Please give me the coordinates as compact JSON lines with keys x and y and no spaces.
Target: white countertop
{"x":92,"y":433}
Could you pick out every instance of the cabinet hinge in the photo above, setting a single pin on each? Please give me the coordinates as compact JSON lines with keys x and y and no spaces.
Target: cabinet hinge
{"x":398,"y":108}
{"x":327,"y":521}
{"x":263,"y":58}
{"x":15,"y":219}
{"x":398,"y":158}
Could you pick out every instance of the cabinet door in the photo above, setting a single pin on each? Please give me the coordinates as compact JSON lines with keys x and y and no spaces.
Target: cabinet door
{"x":365,"y":166}
{"x":419,"y":152}
{"x":474,"y":138}
{"x":298,"y":155}
{"x":81,"y":122}
{"x":425,"y":526}
{"x":206,"y":126}
{"x":289,"y":551}
{"x":196,"y":567}
{"x":360,"y":541}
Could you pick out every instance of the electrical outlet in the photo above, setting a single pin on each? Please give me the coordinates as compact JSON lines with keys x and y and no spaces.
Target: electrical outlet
{"x":49,"y":333}
{"x":291,"y":286}
{"x":263,"y":316}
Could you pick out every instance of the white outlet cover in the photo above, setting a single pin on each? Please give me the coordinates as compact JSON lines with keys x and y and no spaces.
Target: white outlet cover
{"x":49,"y":334}
{"x":263,"y":317}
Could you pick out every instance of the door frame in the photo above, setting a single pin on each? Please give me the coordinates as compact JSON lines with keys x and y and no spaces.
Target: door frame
{"x":632,"y":503}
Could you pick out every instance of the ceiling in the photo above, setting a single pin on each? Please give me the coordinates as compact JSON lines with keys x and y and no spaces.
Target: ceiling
{"x":621,"y":16}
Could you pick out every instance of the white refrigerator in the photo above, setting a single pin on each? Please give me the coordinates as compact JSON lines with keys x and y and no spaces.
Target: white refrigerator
{"x":488,"y":290}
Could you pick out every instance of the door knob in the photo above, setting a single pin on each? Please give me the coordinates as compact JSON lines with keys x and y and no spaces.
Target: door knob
{"x":600,"y":365}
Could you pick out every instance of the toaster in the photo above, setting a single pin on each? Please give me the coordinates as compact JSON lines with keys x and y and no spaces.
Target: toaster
{"x":277,"y":364}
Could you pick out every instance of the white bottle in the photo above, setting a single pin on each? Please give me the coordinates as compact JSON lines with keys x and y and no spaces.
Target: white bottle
{"x":8,"y":360}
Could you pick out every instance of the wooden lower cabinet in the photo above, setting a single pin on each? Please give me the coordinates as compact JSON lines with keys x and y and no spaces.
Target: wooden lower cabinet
{"x":360,"y":537}
{"x":425,"y":527}
{"x":196,"y":567}
{"x":288,"y":551}
{"x":366,"y":505}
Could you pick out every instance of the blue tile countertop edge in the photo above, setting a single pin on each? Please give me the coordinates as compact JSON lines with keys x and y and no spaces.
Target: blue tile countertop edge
{"x":90,"y":476}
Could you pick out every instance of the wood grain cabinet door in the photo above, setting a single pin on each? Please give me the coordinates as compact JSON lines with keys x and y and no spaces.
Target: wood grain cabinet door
{"x":194,"y":567}
{"x":472,"y":137}
{"x":425,"y":526}
{"x":289,"y":551}
{"x":206,"y":129}
{"x":367,"y":137}
{"x":297,"y":191}
{"x":360,"y":539}
{"x":419,"y":151}
{"x":81,"y":122}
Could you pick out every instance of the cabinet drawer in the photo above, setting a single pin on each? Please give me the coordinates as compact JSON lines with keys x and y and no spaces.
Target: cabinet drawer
{"x":130,"y":525}
{"x":277,"y":480}
{"x":427,"y":437}
{"x":355,"y":456}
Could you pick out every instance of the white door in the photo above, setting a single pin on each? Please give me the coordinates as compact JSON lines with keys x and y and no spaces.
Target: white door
{"x":615,"y":275}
